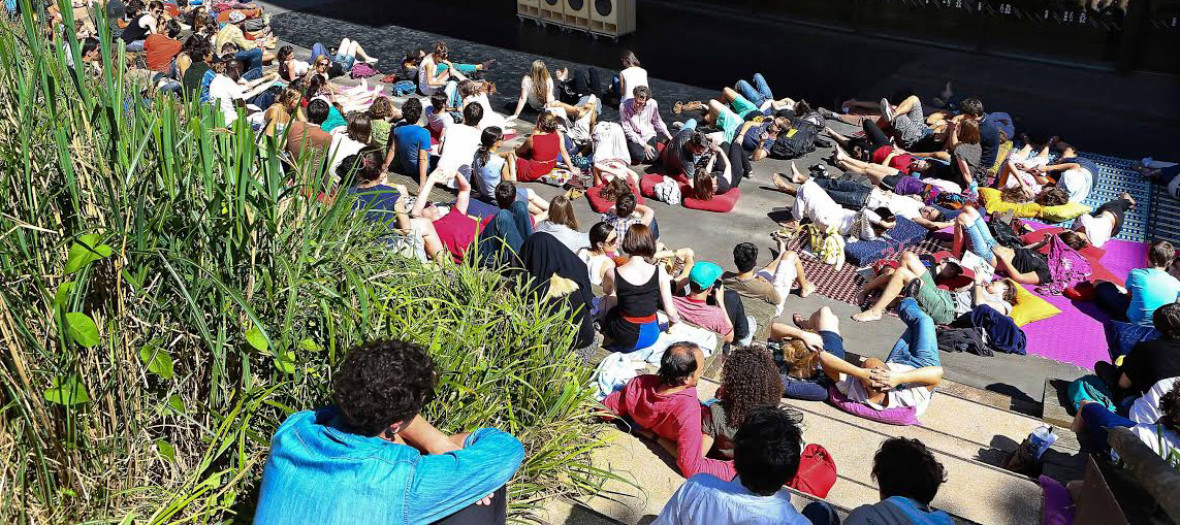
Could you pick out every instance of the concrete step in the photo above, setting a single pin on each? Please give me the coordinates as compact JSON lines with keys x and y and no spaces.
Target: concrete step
{"x":969,"y":439}
{"x":560,"y":511}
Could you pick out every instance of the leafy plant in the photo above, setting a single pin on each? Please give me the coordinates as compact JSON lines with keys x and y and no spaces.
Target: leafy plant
{"x":170,"y":295}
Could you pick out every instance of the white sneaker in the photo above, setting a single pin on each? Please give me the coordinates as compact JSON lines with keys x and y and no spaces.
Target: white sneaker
{"x":887,"y":109}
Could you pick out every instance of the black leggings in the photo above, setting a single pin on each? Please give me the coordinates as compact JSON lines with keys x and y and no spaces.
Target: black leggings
{"x":495,"y":514}
{"x":877,"y":138}
{"x":739,"y":162}
{"x":1118,"y":208}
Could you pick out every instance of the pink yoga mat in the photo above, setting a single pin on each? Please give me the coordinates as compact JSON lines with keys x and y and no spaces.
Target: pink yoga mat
{"x":1077,"y":335}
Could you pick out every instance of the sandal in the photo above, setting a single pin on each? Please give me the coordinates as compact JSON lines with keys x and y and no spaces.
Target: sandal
{"x":574,"y":194}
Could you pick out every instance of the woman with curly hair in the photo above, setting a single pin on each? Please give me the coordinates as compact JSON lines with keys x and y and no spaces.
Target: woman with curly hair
{"x":749,"y":379}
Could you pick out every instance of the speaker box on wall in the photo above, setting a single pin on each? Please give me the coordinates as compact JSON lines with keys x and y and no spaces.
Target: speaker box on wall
{"x":612,"y":18}
{"x":577,"y":14}
{"x":552,"y":11}
{"x":528,"y":9}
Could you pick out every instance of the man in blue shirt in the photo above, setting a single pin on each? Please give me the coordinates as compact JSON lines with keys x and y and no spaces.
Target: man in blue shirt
{"x":410,"y":143}
{"x":766,"y":455}
{"x":1147,"y":288}
{"x":370,"y":458}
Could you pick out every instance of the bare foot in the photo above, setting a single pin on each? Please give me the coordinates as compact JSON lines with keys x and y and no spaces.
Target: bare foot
{"x":807,"y":290}
{"x":801,"y":322}
{"x":781,"y":184}
{"x":861,"y":296}
{"x":1127,"y":197}
{"x":867,"y":316}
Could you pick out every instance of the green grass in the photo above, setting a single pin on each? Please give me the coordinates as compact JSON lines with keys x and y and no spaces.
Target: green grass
{"x":169,"y":298}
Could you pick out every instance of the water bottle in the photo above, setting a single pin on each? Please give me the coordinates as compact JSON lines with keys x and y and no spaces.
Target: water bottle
{"x":1040,"y":440}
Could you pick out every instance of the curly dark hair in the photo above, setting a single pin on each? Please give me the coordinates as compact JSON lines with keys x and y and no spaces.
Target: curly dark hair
{"x":383,"y":382}
{"x":1170,"y":407}
{"x":904,"y":467}
{"x":749,"y":379}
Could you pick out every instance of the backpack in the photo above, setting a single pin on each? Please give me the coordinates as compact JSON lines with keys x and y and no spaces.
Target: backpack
{"x":817,"y":472}
{"x":794,"y":143}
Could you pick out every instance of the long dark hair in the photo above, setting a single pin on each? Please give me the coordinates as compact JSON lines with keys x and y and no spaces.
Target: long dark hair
{"x":491,"y":135}
{"x":703,"y":185}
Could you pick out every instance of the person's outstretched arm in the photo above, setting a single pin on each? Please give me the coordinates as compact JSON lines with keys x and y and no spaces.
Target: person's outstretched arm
{"x":834,"y":366}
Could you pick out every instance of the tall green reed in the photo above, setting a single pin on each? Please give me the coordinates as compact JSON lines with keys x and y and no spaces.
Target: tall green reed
{"x":169,"y":296}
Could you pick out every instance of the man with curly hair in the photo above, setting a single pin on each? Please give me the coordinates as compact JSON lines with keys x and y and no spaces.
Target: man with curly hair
{"x":370,"y":457}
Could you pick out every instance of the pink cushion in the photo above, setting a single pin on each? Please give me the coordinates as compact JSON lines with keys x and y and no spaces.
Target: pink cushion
{"x":719,"y":203}
{"x":601,"y":205}
{"x":1093,"y":255}
{"x":901,"y":416}
{"x":1058,"y":505}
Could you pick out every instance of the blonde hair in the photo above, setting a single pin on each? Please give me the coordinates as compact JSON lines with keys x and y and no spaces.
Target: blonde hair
{"x":381,"y":109}
{"x":540,"y":78}
{"x":801,"y":361}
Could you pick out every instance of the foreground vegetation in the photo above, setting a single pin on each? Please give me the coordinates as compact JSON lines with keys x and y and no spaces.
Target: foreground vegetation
{"x":168,"y":298}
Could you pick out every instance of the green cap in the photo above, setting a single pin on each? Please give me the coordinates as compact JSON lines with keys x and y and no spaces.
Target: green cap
{"x":704,"y":274}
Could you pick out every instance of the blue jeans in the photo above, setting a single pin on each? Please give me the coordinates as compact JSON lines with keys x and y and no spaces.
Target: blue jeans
{"x":918,"y":346}
{"x":758,"y":93}
{"x":690,"y":124}
{"x":135,"y":46}
{"x":252,"y":59}
{"x":980,"y":240}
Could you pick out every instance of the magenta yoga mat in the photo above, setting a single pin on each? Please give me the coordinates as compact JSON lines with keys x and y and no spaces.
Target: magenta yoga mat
{"x":1077,"y":335}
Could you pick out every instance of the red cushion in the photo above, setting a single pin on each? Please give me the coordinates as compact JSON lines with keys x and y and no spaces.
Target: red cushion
{"x":647,"y":185}
{"x":720,"y":203}
{"x":601,"y":205}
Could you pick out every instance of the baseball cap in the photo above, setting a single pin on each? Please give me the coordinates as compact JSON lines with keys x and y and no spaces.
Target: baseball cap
{"x":704,"y":274}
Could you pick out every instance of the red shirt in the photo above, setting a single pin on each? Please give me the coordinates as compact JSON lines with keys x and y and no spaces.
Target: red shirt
{"x":457,"y":232}
{"x":903,"y":163}
{"x":159,"y":51}
{"x":676,"y":417}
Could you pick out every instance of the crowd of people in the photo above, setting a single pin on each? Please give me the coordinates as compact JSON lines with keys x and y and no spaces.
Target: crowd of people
{"x":623,"y":288}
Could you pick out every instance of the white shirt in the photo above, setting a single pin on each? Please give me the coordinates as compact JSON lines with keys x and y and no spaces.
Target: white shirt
{"x":1077,"y":183}
{"x":903,"y":396}
{"x":705,"y":499}
{"x":226,"y":92}
{"x":341,"y":148}
{"x":426,"y":67}
{"x":490,"y":117}
{"x":458,"y":147}
{"x":526,"y":85}
{"x":899,"y":205}
{"x":594,"y":264}
{"x":813,"y":203}
{"x":632,"y":78}
{"x":1146,"y":410}
{"x":1098,"y":229}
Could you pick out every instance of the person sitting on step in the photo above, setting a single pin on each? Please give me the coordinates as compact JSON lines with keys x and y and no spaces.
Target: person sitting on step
{"x":767,"y":450}
{"x":665,"y":406}
{"x":371,"y":449}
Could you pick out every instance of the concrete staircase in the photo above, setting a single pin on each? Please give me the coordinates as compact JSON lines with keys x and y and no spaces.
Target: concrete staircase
{"x":970,"y":432}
